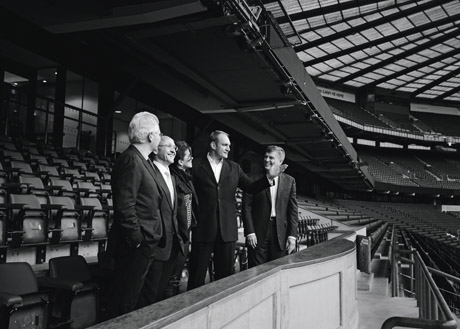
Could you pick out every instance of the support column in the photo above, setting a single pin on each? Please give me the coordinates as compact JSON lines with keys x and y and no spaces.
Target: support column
{"x":31,"y":99}
{"x":3,"y":97}
{"x":105,"y":118}
{"x":58,"y":127}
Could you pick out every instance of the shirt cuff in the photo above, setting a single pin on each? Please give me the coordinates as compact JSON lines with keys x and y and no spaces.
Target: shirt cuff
{"x":292,"y":238}
{"x":250,"y":234}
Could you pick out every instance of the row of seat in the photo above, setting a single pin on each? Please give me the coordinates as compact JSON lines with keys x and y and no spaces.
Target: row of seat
{"x":69,"y":297}
{"x":26,"y":220}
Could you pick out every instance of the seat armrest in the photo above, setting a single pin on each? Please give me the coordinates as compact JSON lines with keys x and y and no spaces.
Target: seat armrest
{"x":61,"y":284}
{"x":80,"y":207}
{"x":52,"y":206}
{"x":10,"y":300}
{"x":15,"y":206}
{"x":54,"y":188}
{"x":81,"y":189}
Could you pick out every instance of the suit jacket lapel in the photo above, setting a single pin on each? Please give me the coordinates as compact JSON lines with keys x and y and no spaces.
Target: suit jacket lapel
{"x":147,"y":164}
{"x":176,"y":225}
{"x":163,"y":185}
{"x":224,"y":172}
{"x":206,"y":166}
{"x":279,"y":192}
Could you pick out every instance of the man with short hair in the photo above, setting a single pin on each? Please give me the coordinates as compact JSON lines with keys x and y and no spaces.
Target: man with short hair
{"x":270,"y":217}
{"x":137,"y":225}
{"x":165,"y":257}
{"x":215,"y":180}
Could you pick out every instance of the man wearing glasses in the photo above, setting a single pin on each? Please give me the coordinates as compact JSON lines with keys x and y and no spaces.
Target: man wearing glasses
{"x":165,"y":256}
{"x":137,"y":226}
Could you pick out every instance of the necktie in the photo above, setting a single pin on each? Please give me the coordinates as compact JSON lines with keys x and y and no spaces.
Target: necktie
{"x":170,"y":185}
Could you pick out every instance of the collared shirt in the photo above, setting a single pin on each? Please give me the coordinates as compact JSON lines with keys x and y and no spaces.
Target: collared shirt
{"x":273,"y":193}
{"x":164,"y":170}
{"x":216,"y":167}
{"x":273,"y":196}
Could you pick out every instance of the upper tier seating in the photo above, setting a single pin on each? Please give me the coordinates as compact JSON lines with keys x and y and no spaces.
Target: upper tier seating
{"x":405,"y":169}
{"x":356,"y":113}
{"x":448,"y":125}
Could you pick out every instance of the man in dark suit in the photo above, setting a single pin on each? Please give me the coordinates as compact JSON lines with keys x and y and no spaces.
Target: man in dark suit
{"x":137,"y":226}
{"x":216,"y":179}
{"x":270,"y":217}
{"x":164,"y":257}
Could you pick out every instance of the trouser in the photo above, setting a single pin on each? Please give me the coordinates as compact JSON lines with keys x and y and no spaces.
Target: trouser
{"x":266,"y":250}
{"x":200,"y":256}
{"x":131,"y":268}
{"x":157,"y":278}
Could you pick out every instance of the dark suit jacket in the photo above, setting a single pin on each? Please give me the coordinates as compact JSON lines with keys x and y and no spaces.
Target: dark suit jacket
{"x":136,"y":201}
{"x":257,"y":210}
{"x":217,"y":206}
{"x":168,"y":211}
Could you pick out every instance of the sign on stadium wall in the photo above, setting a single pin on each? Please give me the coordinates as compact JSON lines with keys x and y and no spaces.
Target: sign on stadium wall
{"x":434,"y":109}
{"x":331,"y":93}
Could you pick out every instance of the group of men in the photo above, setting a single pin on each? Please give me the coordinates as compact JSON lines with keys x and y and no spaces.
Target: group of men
{"x":145,"y":239}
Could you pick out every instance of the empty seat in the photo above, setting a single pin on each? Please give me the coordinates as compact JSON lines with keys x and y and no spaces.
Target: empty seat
{"x":72,"y":174}
{"x":90,"y":176}
{"x":79,"y":165}
{"x":36,"y":159}
{"x":82,"y":306}
{"x":20,"y":168}
{"x":93,"y":217}
{"x":10,"y":155}
{"x":87,"y":190}
{"x":27,"y":221}
{"x":22,"y":305}
{"x":61,"y":162}
{"x":62,"y":187}
{"x":64,"y":220}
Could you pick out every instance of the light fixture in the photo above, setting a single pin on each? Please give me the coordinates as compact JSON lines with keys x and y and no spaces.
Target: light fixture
{"x":15,"y":84}
{"x":55,"y":72}
{"x":118,"y":111}
{"x":44,"y":81}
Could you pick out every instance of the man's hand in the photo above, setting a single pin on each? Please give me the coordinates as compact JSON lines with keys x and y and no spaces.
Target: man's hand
{"x":290,"y":245}
{"x":275,"y":171}
{"x":251,"y":240}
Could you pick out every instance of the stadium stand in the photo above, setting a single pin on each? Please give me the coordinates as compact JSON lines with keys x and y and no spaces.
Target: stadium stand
{"x":356,"y":113}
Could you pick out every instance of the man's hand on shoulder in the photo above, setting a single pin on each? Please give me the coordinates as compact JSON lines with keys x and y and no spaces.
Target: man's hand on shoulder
{"x":275,"y":171}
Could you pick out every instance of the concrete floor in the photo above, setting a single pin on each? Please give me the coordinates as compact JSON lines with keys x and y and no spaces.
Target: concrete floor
{"x":375,"y":306}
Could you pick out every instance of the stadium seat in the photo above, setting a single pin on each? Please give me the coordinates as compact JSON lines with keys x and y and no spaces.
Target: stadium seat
{"x":64,"y":220}
{"x":62,"y":187}
{"x":22,"y":305}
{"x":94,"y":217}
{"x":81,"y":305}
{"x":27,"y":221}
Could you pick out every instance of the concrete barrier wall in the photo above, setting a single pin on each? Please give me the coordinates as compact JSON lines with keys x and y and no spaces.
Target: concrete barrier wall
{"x":314,"y":288}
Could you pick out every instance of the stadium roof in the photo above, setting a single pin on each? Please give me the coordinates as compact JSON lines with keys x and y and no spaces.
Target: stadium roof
{"x":401,"y":45}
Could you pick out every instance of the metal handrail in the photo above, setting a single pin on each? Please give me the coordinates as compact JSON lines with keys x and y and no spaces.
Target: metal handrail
{"x":433,"y":309}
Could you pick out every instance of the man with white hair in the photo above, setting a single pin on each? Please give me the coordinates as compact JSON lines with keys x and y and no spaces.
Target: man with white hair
{"x":137,"y":225}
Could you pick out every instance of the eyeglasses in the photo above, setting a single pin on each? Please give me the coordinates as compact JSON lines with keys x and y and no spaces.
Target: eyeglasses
{"x":171,"y":146}
{"x":157,"y":133}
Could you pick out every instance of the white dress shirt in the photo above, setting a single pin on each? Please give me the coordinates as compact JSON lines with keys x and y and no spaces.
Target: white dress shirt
{"x":273,"y":193}
{"x":216,"y":167}
{"x":167,"y":177}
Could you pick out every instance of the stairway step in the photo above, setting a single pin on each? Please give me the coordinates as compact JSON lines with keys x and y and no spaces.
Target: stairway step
{"x":365,"y":281}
